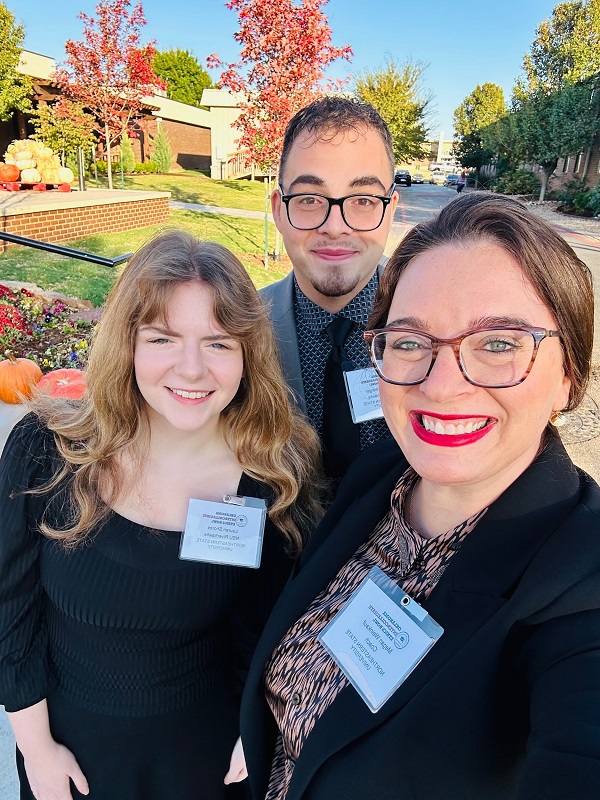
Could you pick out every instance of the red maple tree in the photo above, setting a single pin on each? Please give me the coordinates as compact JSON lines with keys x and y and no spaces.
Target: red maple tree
{"x":110,"y":72}
{"x":286,"y":47}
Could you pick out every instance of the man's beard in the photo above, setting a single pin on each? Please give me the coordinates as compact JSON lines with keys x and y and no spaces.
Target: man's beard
{"x":336,"y":283}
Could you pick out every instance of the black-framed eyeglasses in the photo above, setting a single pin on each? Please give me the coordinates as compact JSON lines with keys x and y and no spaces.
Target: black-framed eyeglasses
{"x":361,"y":212}
{"x":494,"y":358}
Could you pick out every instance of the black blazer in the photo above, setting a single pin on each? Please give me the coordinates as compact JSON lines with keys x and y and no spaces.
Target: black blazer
{"x":507,"y":704}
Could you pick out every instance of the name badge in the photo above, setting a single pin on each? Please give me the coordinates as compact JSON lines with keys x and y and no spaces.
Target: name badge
{"x":379,"y":637}
{"x":230,"y":532}
{"x":362,"y":388}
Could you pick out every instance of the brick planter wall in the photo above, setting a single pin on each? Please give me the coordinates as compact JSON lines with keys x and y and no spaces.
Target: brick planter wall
{"x":51,"y":219}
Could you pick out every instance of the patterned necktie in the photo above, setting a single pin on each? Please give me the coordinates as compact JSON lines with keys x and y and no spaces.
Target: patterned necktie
{"x":340,"y":435}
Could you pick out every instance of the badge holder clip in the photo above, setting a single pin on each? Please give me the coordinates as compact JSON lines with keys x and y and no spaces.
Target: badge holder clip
{"x":228,"y":533}
{"x":379,"y":637}
{"x":362,"y":388}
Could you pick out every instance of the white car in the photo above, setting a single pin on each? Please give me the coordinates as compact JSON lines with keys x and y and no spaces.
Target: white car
{"x":437,"y":178}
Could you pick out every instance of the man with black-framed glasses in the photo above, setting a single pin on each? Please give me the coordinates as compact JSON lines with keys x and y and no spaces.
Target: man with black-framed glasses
{"x":334,"y":207}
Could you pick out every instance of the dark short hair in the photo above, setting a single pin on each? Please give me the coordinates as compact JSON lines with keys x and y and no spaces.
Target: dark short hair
{"x":330,"y":115}
{"x":562,"y":281}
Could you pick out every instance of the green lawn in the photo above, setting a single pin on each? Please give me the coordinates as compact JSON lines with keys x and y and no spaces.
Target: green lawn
{"x":244,"y":237}
{"x":190,"y":187}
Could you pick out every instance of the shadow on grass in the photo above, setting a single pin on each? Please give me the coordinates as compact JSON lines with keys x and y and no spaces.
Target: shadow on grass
{"x":228,"y":222}
{"x":183,"y":196}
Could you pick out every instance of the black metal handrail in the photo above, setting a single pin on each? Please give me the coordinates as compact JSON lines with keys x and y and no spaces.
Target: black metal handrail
{"x":64,"y":251}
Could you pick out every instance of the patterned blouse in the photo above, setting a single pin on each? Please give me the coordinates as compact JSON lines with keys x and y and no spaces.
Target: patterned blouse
{"x":301,"y":679}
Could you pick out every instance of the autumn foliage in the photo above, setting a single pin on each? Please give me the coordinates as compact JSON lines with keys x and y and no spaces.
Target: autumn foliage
{"x":110,"y":72}
{"x":285,"y":49}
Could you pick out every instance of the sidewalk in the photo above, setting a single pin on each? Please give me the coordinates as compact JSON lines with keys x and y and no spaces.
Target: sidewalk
{"x":229,"y":212}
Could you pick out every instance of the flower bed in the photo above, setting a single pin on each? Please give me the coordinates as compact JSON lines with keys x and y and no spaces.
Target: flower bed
{"x":48,"y":333}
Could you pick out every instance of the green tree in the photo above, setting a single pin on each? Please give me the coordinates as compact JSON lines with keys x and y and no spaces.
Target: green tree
{"x":556,"y":100}
{"x":15,"y":88}
{"x":484,"y":106}
{"x":162,"y":155}
{"x":396,"y":91}
{"x":127,"y":153}
{"x":546,"y":127}
{"x":186,"y":79}
{"x":63,"y":126}
{"x":566,"y":49}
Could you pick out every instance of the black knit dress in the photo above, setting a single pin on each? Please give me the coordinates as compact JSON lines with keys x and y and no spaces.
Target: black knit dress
{"x":140,"y":655}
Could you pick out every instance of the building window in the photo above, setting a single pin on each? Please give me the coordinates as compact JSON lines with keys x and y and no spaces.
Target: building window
{"x":565,"y":165}
{"x":577,"y":162}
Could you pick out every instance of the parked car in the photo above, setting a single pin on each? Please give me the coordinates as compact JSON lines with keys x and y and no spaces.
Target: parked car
{"x":451,"y":180}
{"x":402,"y":177}
{"x":418,"y":178}
{"x":437,"y":178}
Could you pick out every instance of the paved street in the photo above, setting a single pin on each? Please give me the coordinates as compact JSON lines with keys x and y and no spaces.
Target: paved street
{"x":581,"y":433}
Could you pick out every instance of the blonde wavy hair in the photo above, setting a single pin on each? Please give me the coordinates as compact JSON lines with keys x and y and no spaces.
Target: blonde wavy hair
{"x":271,"y":441}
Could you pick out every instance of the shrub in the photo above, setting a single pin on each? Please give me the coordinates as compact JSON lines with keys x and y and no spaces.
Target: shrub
{"x":162,"y":155}
{"x":72,"y":161}
{"x":148,"y":167}
{"x":568,"y":193}
{"x":593,"y":202}
{"x":581,"y":204}
{"x":127,"y":153}
{"x":519,"y":181}
{"x":484,"y":181}
{"x":102,"y":167}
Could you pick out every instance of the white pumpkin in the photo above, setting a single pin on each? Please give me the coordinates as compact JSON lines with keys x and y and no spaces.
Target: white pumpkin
{"x":66,"y":175}
{"x":30,"y":176}
{"x":25,"y":163}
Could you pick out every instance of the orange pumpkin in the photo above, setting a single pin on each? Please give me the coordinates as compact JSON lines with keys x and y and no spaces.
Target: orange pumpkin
{"x":18,"y":376}
{"x":64,"y":383}
{"x":9,"y":172}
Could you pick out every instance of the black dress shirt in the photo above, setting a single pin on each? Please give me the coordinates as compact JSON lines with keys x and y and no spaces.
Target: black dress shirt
{"x":314,"y":347}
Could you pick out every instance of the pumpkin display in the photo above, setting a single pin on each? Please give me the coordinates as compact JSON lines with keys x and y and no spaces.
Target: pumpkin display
{"x":49,"y":175}
{"x":36,"y":163}
{"x":65,"y":174}
{"x":30,"y":176}
{"x":18,"y":377}
{"x":25,"y":163}
{"x":9,"y":172}
{"x":64,"y":383}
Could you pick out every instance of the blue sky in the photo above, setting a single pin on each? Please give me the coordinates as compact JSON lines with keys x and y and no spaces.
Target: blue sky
{"x":464,"y":42}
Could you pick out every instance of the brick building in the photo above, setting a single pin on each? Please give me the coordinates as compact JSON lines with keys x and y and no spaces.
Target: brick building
{"x":582,"y":166}
{"x":188,"y":128}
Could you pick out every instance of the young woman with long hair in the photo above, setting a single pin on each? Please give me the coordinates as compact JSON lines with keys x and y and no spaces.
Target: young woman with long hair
{"x":122,"y":655}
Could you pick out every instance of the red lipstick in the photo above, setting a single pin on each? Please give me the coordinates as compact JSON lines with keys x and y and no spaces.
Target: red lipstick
{"x":448,"y":439}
